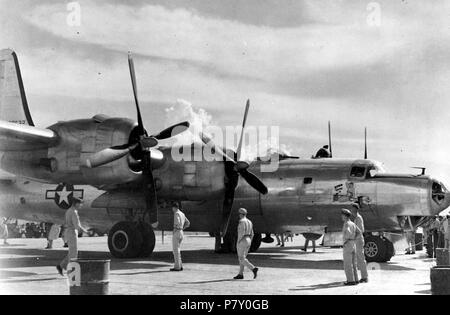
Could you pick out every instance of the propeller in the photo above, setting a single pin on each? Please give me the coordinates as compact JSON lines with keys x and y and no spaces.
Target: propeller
{"x":143,"y":145}
{"x":143,"y":142}
{"x":233,"y":168}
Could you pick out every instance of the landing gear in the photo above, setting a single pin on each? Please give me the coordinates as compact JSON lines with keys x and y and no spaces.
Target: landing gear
{"x":229,"y":243}
{"x":256,"y":242}
{"x":148,"y":240}
{"x":131,"y":240}
{"x":378,"y":249}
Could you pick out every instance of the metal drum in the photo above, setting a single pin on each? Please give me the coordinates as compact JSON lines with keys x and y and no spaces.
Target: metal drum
{"x":440,"y":280}
{"x":89,"y":276}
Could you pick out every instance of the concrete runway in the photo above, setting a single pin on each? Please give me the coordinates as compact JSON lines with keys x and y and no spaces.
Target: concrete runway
{"x":26,"y":268}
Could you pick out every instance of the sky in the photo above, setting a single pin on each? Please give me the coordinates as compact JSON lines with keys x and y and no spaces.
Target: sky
{"x":380,"y":64}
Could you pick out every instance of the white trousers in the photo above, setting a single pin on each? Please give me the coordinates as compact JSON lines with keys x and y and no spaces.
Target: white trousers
{"x":177,"y":238}
{"x":350,"y":263}
{"x":71,"y":236}
{"x":361,"y":258}
{"x":242,"y":250}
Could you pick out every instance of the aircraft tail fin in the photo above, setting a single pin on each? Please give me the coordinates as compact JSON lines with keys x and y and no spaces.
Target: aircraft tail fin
{"x":13,"y":101}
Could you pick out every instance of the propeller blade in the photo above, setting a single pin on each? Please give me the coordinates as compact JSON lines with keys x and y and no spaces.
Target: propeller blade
{"x":149,"y":189}
{"x":254,"y":181}
{"x":148,"y":142}
{"x":208,"y":141}
{"x":226,"y":215}
{"x":241,"y":165}
{"x":244,"y":122}
{"x":109,"y":155}
{"x":136,"y":100}
{"x":365,"y":143}
{"x":329,"y":139}
{"x":172,"y":131}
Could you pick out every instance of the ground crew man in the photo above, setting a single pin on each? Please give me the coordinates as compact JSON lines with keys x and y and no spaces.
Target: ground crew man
{"x":445,"y":226}
{"x":350,"y":232}
{"x":4,"y":231}
{"x":244,"y":241}
{"x":323,"y":153}
{"x":360,"y":256}
{"x":180,"y":223}
{"x":434,"y":228}
{"x":72,"y":227}
{"x":53,"y":235}
{"x":309,"y":237}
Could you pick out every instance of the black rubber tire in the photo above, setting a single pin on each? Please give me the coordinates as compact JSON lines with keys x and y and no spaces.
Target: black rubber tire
{"x":375,"y":249}
{"x":125,"y":240}
{"x":256,"y":242}
{"x":148,"y":240}
{"x":390,"y":252}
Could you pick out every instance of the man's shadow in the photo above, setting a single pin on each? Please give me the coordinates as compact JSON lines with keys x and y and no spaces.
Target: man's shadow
{"x":319,"y":286}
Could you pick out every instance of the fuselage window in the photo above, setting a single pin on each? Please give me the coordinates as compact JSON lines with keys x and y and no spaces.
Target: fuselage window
{"x":357,"y":171}
{"x":307,"y":180}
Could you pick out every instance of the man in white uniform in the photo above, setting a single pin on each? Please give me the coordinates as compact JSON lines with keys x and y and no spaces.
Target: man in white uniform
{"x":53,"y":235}
{"x":4,"y":231}
{"x":446,"y":224}
{"x":72,"y":226}
{"x":244,"y":241}
{"x":350,"y":233}
{"x":180,"y":223}
{"x":360,"y":256}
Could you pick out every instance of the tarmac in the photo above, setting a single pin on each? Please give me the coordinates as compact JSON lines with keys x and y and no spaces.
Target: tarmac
{"x":26,"y":268}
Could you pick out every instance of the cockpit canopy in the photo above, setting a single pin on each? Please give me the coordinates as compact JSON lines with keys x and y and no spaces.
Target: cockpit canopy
{"x":366,"y":170}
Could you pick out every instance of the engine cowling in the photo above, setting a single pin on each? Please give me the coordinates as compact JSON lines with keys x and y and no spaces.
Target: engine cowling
{"x":78,"y":140}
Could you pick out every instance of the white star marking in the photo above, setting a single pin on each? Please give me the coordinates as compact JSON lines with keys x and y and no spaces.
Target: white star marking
{"x":63,"y":195}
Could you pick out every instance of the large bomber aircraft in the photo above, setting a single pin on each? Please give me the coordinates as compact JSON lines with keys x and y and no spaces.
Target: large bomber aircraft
{"x":128,"y":182}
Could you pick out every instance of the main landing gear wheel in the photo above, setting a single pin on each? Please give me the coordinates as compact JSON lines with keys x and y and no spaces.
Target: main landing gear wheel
{"x":378,"y":249}
{"x":125,"y":240}
{"x":256,"y":242}
{"x":148,"y":240}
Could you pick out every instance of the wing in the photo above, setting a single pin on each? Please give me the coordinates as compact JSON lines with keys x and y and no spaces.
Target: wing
{"x":17,"y":137}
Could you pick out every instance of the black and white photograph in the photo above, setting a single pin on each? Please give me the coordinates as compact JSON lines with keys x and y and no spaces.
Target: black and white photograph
{"x":223,"y":153}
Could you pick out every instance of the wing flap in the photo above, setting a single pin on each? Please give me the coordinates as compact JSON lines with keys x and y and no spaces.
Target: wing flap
{"x":18,"y":137}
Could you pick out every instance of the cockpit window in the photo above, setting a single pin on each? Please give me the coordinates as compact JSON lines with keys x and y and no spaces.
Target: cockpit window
{"x":438,"y":192}
{"x":357,"y":171}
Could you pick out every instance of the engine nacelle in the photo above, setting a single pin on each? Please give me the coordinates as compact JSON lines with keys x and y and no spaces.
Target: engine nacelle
{"x":190,"y":180}
{"x":78,"y":140}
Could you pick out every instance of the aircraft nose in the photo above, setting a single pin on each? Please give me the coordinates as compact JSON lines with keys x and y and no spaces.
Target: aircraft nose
{"x":440,"y":197}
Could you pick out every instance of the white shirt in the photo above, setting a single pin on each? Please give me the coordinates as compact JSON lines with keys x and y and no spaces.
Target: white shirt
{"x":245,"y":228}
{"x":349,"y":231}
{"x":179,"y":219}
{"x":72,"y":220}
{"x":359,"y":221}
